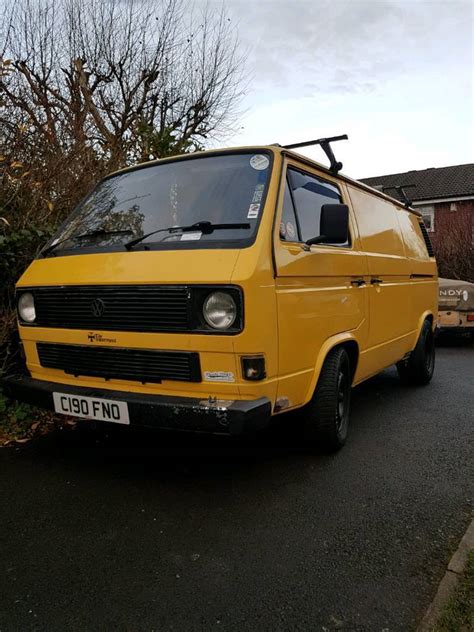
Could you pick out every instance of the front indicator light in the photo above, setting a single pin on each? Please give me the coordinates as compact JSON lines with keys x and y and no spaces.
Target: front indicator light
{"x":219,"y":310}
{"x":26,"y":307}
{"x":253,"y":368}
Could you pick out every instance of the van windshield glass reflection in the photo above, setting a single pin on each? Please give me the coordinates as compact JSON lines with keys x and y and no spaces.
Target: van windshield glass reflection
{"x":225,"y":189}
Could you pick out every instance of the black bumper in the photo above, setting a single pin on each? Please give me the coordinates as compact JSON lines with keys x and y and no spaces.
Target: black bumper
{"x":156,"y":411}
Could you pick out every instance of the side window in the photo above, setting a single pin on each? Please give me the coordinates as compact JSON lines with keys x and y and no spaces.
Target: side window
{"x":428,"y":217}
{"x":309,"y":194}
{"x":289,"y":230}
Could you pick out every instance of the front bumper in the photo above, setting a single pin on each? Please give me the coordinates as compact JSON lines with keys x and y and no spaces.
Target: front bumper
{"x":156,"y":411}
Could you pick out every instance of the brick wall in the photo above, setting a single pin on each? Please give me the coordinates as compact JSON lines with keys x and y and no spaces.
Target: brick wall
{"x":453,"y":239}
{"x":448,"y":221}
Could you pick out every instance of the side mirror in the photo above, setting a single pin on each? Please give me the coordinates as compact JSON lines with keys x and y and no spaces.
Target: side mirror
{"x":334,"y":225}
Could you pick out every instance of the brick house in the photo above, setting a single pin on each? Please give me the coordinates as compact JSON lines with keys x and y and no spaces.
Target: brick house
{"x":445,"y":197}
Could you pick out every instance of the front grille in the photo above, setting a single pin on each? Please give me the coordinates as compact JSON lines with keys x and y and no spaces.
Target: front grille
{"x":123,"y":364}
{"x":114,"y":307}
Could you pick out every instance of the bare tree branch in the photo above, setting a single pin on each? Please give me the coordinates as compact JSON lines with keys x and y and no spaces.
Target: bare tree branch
{"x":118,"y":78}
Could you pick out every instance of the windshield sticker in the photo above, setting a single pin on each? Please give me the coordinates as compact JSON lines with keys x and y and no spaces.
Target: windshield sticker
{"x":259,"y":162}
{"x":282,"y":230}
{"x":257,"y":196}
{"x":191,"y":236}
{"x":290,"y":230}
{"x":253,"y":211}
{"x":219,"y":376}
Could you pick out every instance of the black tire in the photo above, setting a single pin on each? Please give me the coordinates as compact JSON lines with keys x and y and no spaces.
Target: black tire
{"x":326,"y":416}
{"x":418,"y":368}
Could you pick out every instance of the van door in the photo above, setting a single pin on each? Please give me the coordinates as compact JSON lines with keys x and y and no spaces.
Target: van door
{"x":321,"y":290}
{"x":390,"y":312}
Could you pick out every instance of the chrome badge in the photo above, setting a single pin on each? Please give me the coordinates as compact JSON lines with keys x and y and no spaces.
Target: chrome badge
{"x":98,"y":307}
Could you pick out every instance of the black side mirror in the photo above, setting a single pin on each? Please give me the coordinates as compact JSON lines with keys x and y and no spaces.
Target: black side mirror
{"x":334,"y":225}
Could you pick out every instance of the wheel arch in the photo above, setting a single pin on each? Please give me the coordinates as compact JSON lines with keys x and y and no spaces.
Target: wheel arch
{"x":345,"y":340}
{"x":429,"y":316}
{"x":426,"y":315}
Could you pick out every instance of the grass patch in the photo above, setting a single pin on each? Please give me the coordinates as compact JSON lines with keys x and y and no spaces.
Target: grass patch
{"x":458,"y":614}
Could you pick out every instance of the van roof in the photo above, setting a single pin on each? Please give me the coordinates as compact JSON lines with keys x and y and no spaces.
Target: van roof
{"x":277,"y":149}
{"x":345,"y":178}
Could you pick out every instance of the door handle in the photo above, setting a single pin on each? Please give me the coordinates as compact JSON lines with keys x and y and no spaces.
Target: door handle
{"x":358,"y":282}
{"x":375,"y":280}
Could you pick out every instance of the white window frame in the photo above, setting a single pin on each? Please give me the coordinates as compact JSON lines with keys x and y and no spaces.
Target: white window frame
{"x":428,"y":211}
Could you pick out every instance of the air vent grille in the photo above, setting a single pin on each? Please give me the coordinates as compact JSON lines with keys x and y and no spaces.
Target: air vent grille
{"x":141,"y":365}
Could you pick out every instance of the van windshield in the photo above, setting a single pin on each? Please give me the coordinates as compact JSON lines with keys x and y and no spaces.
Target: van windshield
{"x":220,"y":189}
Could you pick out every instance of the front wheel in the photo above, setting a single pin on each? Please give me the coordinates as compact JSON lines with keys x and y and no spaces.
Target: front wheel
{"x":418,"y":369}
{"x":326,"y":416}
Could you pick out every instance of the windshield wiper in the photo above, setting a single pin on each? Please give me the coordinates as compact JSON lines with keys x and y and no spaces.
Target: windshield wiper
{"x":99,"y":232}
{"x":204,"y":227}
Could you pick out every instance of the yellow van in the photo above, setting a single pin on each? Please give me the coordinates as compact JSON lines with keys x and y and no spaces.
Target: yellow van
{"x":215,"y":290}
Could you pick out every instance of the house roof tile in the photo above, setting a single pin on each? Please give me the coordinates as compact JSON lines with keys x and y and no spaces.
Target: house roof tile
{"x":441,"y":182}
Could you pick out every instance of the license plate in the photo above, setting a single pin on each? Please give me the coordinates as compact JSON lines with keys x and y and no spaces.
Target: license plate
{"x":91,"y":408}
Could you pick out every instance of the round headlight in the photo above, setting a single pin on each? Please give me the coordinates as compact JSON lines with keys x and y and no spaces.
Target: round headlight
{"x":219,"y":310}
{"x":26,"y":307}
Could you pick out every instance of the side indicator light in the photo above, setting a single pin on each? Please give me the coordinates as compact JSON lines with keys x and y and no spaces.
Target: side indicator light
{"x":253,"y":368}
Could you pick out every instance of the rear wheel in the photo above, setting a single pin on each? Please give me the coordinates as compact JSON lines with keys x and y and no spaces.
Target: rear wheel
{"x":418,"y":369}
{"x":326,"y":416}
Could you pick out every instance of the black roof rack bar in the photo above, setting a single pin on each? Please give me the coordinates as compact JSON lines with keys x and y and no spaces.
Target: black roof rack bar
{"x":325,"y":143}
{"x":400,"y":189}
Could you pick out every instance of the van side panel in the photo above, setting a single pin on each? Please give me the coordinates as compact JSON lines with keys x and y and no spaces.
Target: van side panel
{"x":391,"y":318}
{"x":423,"y":270}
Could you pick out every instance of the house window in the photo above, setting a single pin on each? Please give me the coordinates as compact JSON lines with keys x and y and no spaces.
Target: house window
{"x":428,"y":217}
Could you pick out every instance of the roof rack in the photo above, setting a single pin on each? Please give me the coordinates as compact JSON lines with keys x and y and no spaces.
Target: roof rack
{"x":400,"y":189}
{"x":325,"y":143}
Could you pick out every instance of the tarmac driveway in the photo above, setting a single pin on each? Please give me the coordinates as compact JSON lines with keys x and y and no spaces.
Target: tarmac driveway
{"x":173,"y":532}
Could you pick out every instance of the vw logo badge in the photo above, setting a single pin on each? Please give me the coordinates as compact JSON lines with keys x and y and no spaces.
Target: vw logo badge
{"x":98,"y":307}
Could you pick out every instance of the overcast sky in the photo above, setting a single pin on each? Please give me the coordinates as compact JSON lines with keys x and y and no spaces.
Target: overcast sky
{"x":395,"y":75}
